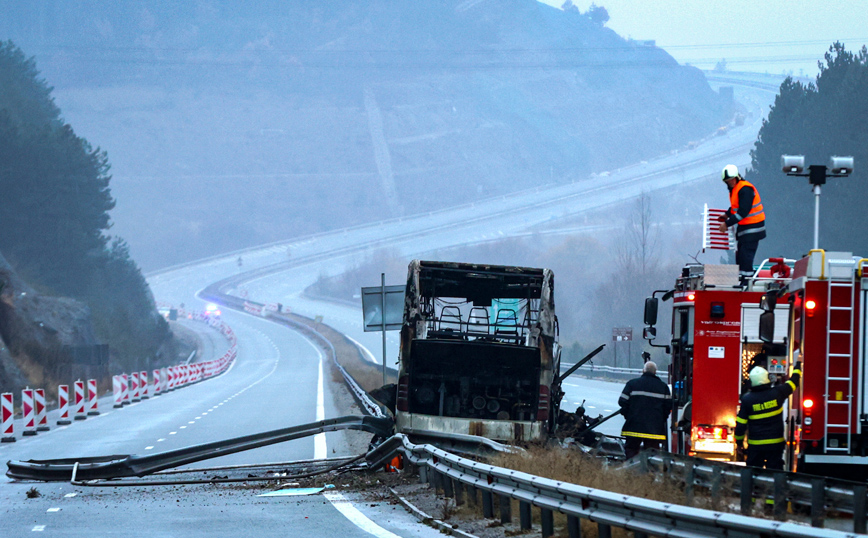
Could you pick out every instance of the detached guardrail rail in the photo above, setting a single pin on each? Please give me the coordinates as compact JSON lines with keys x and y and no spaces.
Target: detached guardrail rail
{"x":458,"y":476}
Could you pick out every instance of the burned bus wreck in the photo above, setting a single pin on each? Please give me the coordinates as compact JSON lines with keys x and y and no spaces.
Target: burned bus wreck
{"x":478,"y":351}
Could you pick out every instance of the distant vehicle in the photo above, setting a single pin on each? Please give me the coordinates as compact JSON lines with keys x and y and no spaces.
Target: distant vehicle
{"x":479,"y":352}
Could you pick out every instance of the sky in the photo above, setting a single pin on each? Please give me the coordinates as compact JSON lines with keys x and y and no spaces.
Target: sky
{"x":773,"y":36}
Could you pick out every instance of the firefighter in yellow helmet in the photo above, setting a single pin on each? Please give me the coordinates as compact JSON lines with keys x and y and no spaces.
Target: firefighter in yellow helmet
{"x":745,"y":210}
{"x":762,"y":415}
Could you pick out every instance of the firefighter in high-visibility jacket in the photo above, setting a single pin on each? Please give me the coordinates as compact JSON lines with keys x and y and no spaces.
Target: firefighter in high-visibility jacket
{"x":746,"y":210}
{"x":761,"y":415}
{"x":646,"y":404}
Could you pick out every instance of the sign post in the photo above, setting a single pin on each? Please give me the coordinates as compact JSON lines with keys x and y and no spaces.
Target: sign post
{"x":622,"y":334}
{"x":376,"y":301}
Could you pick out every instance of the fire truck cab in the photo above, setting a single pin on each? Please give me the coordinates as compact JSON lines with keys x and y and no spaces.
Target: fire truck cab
{"x":715,"y":343}
{"x":826,"y":322}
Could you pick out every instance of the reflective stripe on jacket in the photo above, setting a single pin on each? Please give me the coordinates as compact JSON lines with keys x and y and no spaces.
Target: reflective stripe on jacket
{"x":645,"y":403}
{"x":756,"y":213}
{"x":761,"y":412}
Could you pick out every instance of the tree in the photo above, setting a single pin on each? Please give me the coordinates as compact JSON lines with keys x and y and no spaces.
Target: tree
{"x":598,"y":14}
{"x":54,"y":213}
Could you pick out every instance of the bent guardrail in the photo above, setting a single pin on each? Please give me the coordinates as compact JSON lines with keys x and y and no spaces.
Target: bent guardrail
{"x":120,"y":466}
{"x":457,"y":475}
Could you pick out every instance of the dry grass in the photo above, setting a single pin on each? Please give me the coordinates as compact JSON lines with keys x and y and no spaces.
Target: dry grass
{"x":577,"y":468}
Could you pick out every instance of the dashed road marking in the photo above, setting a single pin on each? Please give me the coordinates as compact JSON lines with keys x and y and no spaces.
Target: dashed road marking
{"x":38,"y":528}
{"x":73,"y":494}
{"x":172,"y":433}
{"x":161,"y":440}
{"x":149,"y":447}
{"x":53,"y":510}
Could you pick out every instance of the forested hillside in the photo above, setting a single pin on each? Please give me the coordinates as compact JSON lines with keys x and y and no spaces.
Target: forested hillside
{"x":54,"y":222}
{"x":236,"y":123}
{"x":818,"y":120}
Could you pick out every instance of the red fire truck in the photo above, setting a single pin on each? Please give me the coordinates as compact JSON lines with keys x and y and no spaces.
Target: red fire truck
{"x":715,"y":342}
{"x":826,"y":320}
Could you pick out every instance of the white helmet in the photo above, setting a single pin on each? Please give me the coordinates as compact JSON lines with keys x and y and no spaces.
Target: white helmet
{"x":730,"y":171}
{"x":759,"y":376}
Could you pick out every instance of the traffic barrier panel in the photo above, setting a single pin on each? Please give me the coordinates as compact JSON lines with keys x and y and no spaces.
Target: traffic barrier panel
{"x":63,"y":405}
{"x":39,"y":405}
{"x":125,"y":389}
{"x":134,"y":387}
{"x":92,"y":397}
{"x":157,"y":382}
{"x":171,"y":378}
{"x":28,"y":412}
{"x":117,"y":392}
{"x":79,"y":411}
{"x":7,"y":412}
{"x":164,"y":378}
{"x":143,"y":382}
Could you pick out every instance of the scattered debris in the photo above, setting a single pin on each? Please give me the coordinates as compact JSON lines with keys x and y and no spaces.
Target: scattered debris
{"x":33,"y":493}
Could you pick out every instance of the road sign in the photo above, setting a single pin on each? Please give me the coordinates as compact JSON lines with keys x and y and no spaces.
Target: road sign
{"x":622,"y":334}
{"x":372,"y":307}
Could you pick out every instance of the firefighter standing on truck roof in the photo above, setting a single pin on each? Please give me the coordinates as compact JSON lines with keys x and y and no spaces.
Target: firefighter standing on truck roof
{"x":645,"y":403}
{"x":746,"y":210}
{"x":761,"y":414}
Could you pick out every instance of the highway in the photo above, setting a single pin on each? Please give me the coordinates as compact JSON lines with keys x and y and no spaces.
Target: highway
{"x":279,"y":378}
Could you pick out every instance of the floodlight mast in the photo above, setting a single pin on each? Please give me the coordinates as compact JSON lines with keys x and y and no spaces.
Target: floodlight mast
{"x":794,"y":165}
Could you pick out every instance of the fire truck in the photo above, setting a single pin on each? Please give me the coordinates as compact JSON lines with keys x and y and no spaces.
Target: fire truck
{"x":715,"y":343}
{"x":826,"y":324}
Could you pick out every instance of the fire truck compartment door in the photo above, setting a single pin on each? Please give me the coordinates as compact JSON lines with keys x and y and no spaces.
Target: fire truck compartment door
{"x":750,"y":324}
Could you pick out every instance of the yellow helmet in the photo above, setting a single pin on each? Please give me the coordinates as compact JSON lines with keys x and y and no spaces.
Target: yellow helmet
{"x":730,"y":171}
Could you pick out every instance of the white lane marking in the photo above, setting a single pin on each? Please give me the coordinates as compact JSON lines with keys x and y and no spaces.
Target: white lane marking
{"x":357,"y":518}
{"x":197,"y":418}
{"x":182,"y":427}
{"x":172,"y":433}
{"x":191,"y":422}
{"x":149,"y":448}
{"x":38,"y":528}
{"x":161,"y":440}
{"x":53,"y":510}
{"x":607,"y":410}
{"x":73,"y":494}
{"x":320,"y":450}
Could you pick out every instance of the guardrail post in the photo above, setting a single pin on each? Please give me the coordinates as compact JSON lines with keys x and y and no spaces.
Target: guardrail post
{"x":574,"y":527}
{"x":716,"y":474}
{"x":487,"y":505}
{"x":547,"y":521}
{"x":746,"y":492}
{"x":689,"y":481}
{"x":505,"y":509}
{"x":859,"y":509}
{"x":448,"y":492}
{"x":643,"y":461}
{"x":524,"y":516}
{"x":604,"y":531}
{"x":818,"y":502}
{"x":458,"y":487}
{"x":423,"y":474}
{"x":780,"y":494}
{"x":471,"y":495}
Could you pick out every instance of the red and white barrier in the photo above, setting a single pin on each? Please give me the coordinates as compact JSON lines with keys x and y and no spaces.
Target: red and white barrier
{"x":92,"y":397}
{"x":125,"y":389}
{"x":63,"y":405}
{"x":39,"y":405}
{"x":143,"y":384}
{"x":6,"y":410}
{"x":78,"y":406}
{"x":157,"y":383}
{"x":28,"y":412}
{"x":117,"y":392}
{"x":134,"y":387}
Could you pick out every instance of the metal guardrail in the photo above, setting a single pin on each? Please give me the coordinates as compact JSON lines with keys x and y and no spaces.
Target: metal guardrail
{"x":815,"y":494}
{"x":456,"y":476}
{"x":107,"y":467}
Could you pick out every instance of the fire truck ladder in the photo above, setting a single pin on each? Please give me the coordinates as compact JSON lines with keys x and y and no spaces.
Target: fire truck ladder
{"x":845,"y":327}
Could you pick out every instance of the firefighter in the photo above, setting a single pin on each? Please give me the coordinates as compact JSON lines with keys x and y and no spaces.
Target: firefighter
{"x":761,"y":414}
{"x":645,"y":403}
{"x":746,"y":210}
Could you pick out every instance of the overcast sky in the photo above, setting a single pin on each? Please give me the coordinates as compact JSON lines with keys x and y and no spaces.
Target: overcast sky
{"x":752,"y":35}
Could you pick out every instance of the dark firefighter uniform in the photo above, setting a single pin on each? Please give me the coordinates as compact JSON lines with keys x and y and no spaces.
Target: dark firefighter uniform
{"x":645,"y":403}
{"x":761,"y":414}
